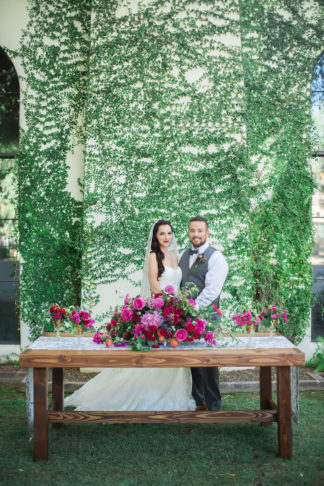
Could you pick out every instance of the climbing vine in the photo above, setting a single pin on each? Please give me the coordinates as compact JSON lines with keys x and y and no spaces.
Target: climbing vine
{"x":188,"y":108}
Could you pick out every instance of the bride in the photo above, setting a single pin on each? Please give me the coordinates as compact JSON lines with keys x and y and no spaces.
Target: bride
{"x":143,"y":388}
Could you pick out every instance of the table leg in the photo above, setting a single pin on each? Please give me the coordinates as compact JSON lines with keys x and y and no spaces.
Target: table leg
{"x":40,"y":414}
{"x":58,"y":392}
{"x":284,"y":412}
{"x":265,"y":390}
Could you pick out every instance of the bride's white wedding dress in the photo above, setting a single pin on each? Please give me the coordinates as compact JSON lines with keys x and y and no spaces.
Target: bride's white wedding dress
{"x":138,"y":388}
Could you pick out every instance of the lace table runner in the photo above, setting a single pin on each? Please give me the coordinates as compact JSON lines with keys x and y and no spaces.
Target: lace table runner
{"x":242,"y":342}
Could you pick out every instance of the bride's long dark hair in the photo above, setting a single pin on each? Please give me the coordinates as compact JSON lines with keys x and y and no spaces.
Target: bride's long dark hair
{"x":155,"y":247}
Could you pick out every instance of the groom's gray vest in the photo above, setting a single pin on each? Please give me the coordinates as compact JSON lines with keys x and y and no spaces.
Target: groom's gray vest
{"x":197,"y":273}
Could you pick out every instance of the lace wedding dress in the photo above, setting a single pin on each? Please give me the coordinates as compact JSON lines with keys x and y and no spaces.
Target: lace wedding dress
{"x":138,"y":388}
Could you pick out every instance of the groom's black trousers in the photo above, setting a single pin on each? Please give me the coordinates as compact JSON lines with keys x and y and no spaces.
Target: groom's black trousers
{"x":205,"y":383}
{"x":205,"y":387}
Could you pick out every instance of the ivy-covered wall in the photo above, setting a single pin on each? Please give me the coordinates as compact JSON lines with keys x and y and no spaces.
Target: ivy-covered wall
{"x":165,"y":134}
{"x":281,"y":43}
{"x":190,"y":108}
{"x":54,"y":51}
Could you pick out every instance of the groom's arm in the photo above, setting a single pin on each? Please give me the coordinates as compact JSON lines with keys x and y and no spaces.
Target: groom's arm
{"x":214,"y":281}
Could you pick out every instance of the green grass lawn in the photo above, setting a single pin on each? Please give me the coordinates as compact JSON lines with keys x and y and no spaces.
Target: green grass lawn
{"x":161,"y":454}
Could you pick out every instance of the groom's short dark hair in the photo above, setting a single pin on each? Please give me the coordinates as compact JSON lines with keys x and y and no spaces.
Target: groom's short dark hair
{"x":199,"y":218}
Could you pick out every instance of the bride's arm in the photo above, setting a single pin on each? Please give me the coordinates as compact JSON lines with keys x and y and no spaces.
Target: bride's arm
{"x":153,"y":272}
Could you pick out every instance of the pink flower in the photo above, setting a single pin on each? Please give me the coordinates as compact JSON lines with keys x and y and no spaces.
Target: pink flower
{"x":218,"y":311}
{"x":192,"y":302}
{"x":139,"y":303}
{"x":126,"y":314}
{"x":127,"y":299}
{"x":88,"y":323}
{"x":209,"y":337}
{"x":181,"y":334}
{"x":284,"y":316}
{"x":97,"y":338}
{"x":169,"y":289}
{"x":149,"y":319}
{"x":158,"y":302}
{"x":274,"y":308}
{"x":57,"y":316}
{"x":273,"y":316}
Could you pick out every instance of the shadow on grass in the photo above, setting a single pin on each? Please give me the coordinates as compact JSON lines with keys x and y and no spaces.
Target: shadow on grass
{"x":164,"y":454}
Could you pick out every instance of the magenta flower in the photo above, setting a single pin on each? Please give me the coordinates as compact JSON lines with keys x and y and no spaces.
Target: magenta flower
{"x":192,"y":302}
{"x":139,"y":303}
{"x":181,"y":334}
{"x":209,"y":338}
{"x":57,"y":316}
{"x":126,"y":314}
{"x":97,"y":338}
{"x":127,"y":299}
{"x":158,"y":302}
{"x":88,"y":323}
{"x":273,"y":316}
{"x":169,"y":289}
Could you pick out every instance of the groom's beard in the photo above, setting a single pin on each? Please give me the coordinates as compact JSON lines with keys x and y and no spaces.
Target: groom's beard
{"x":197,"y":242}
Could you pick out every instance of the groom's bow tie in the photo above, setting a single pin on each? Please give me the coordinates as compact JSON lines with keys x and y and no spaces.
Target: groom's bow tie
{"x":193,"y":252}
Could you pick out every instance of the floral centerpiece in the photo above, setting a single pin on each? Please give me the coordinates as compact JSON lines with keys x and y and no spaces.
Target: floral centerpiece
{"x":70,"y":319}
{"x":59,"y":315}
{"x":272,"y":316}
{"x":248,"y":319}
{"x":81,"y":319}
{"x":269,"y":317}
{"x":166,"y":318}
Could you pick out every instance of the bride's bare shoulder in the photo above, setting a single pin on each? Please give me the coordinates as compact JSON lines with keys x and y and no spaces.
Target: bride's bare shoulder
{"x":152,"y":258}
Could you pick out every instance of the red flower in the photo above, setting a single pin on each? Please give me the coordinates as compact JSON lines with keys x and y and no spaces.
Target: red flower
{"x":113,"y":322}
{"x":158,"y":294}
{"x":135,"y":317}
{"x":163,"y":331}
{"x":155,"y":346}
{"x":189,"y":325}
{"x":172,"y":312}
{"x":62,"y":311}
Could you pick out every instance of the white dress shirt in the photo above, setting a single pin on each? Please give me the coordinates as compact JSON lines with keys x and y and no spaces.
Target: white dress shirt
{"x":215,"y":276}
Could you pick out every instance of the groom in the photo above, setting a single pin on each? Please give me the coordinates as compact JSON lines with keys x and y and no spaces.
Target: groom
{"x":207,"y":268}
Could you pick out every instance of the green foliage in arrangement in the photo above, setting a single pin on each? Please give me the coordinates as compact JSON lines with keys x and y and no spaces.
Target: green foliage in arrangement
{"x":54,"y":52}
{"x":190,"y":108}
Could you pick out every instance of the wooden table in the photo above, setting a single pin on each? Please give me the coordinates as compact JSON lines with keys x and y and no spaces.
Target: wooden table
{"x":58,"y":359}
